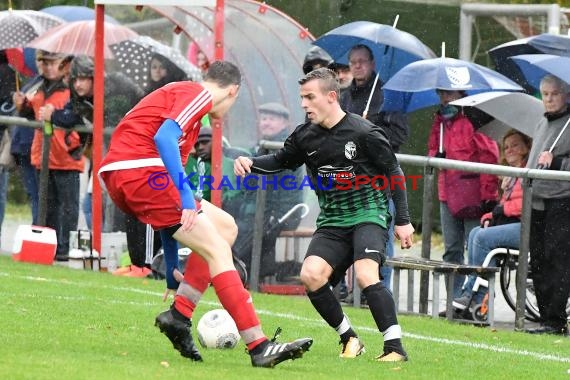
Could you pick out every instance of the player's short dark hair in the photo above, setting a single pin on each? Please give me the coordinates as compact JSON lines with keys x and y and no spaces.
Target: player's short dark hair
{"x":223,"y":73}
{"x":327,"y":77}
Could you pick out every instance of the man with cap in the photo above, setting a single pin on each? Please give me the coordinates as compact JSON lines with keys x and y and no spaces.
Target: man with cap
{"x":121,"y":94}
{"x":273,"y":125}
{"x":64,"y":169}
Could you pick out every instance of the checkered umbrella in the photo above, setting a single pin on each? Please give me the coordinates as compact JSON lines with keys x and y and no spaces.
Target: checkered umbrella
{"x":134,"y":56}
{"x":18,"y":27}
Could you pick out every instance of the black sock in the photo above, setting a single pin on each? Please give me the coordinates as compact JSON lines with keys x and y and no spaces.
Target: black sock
{"x":327,"y":305}
{"x":259,"y":348}
{"x":394,"y":345}
{"x":350,"y":333}
{"x":381,"y":305}
{"x":178,"y":315}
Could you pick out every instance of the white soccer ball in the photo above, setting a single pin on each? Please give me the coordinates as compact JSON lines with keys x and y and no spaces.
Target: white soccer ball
{"x":217,"y":329}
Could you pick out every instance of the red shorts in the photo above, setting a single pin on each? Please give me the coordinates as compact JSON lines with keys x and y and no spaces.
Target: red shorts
{"x":147,"y":193}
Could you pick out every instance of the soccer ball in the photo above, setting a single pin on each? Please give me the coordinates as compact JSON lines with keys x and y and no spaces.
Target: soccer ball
{"x":217,"y":329}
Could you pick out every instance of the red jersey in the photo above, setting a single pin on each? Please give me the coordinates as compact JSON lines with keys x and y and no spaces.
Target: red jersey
{"x":133,"y":139}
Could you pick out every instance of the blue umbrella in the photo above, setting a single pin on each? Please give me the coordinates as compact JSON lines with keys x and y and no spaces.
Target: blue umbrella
{"x":545,"y":43}
{"x":535,"y":66}
{"x":75,"y":13}
{"x":392,"y":48}
{"x":413,"y":87}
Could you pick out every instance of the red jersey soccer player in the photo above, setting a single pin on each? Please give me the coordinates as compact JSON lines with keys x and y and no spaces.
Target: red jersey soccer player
{"x":157,"y":135}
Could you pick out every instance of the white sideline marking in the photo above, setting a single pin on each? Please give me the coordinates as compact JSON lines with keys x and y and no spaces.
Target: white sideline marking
{"x":475,"y":346}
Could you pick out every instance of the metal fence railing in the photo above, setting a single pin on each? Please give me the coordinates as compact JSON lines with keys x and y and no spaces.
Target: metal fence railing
{"x":431,"y":163}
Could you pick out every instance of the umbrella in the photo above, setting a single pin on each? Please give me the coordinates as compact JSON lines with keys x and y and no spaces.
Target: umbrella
{"x":75,"y":13}
{"x":392,"y":48}
{"x":535,"y":66}
{"x":18,"y":27}
{"x":78,"y":37}
{"x":495,"y":113}
{"x":413,"y":87}
{"x":134,"y":55}
{"x":545,"y":43}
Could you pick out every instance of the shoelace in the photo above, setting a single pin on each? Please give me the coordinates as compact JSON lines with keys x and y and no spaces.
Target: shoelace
{"x":276,"y":335}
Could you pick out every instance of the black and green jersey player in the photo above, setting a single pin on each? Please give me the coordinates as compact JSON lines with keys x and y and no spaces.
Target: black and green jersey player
{"x":342,"y":152}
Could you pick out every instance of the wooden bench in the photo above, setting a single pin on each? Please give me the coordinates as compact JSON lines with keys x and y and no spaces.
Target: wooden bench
{"x":413,"y":263}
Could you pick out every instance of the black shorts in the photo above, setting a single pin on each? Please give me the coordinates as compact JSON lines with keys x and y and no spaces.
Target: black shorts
{"x":340,"y":247}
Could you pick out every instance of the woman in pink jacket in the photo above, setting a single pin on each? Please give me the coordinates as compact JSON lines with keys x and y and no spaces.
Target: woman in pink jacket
{"x":501,"y":227}
{"x":463,"y":196}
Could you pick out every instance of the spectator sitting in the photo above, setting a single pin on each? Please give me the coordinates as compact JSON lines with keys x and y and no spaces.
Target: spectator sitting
{"x":200,"y":170}
{"x":501,"y":227}
{"x":273,"y":125}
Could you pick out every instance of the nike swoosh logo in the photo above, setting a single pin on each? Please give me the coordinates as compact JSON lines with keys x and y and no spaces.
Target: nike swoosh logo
{"x":366,"y":250}
{"x":310,"y":154}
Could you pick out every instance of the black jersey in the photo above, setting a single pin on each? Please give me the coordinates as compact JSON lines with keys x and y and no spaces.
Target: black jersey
{"x":349,"y":167}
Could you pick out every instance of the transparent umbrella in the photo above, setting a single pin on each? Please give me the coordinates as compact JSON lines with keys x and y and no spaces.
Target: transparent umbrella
{"x":18,"y":27}
{"x":133,"y":57}
{"x":78,"y":37}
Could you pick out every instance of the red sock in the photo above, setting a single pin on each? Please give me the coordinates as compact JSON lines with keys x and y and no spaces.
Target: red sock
{"x":255,"y":343}
{"x":197,"y":275}
{"x":184,"y":306}
{"x":235,"y":299}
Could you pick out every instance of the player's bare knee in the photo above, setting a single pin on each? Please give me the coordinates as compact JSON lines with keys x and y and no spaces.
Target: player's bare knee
{"x":366,"y":278}
{"x":312,"y":278}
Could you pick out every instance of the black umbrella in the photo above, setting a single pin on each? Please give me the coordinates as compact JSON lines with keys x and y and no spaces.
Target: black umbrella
{"x":134,"y":56}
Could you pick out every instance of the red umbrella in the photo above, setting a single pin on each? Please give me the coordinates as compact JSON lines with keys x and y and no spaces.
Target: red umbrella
{"x":79,"y":38}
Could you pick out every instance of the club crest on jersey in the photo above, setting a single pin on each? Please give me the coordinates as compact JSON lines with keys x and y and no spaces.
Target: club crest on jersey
{"x":350,"y":150}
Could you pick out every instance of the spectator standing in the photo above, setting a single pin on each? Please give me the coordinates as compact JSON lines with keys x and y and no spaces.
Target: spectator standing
{"x":7,"y":86}
{"x":64,"y":168}
{"x":316,"y":58}
{"x":354,"y":99}
{"x":550,"y":218}
{"x":453,"y":136}
{"x":22,"y":138}
{"x":344,"y":75}
{"x":500,"y":227}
